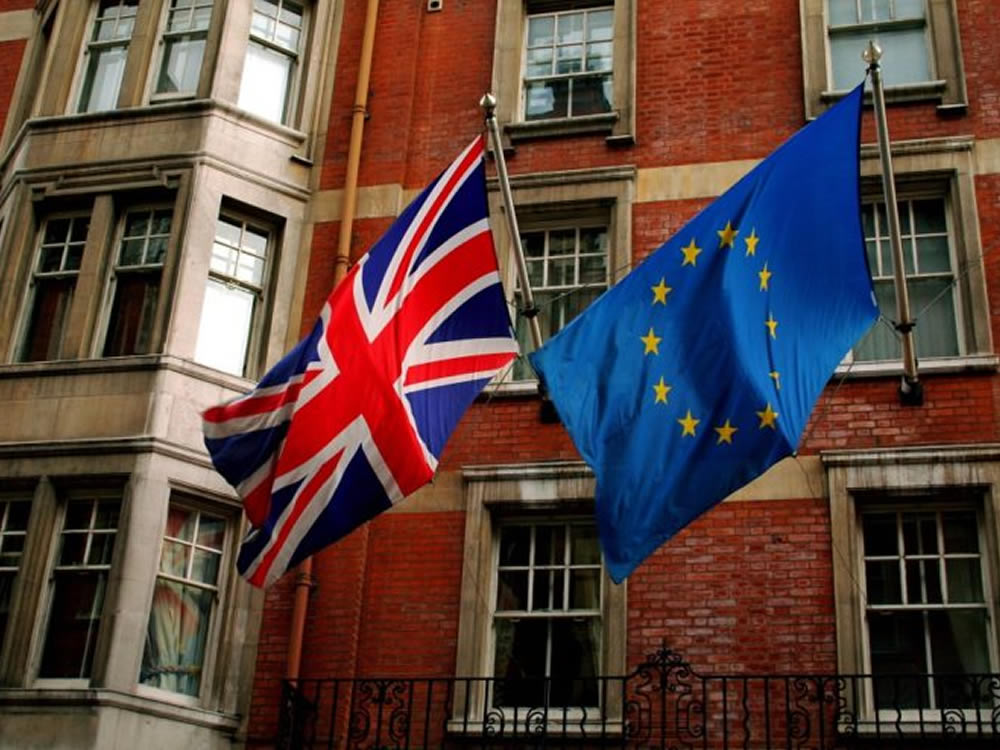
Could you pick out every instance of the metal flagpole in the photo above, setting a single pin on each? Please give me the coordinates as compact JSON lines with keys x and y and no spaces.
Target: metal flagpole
{"x":529,"y":310}
{"x":911,"y":390}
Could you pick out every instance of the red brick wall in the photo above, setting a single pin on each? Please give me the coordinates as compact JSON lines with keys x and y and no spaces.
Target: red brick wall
{"x":11,"y":54}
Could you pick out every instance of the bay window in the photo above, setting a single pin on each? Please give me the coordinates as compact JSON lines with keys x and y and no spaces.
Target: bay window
{"x":272,"y":59}
{"x":183,"y":46}
{"x":105,"y":55}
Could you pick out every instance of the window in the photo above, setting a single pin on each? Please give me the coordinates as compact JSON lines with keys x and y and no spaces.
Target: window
{"x":564,"y":67}
{"x":567,"y":270}
{"x":900,"y":28}
{"x":272,"y":59}
{"x":79,"y":581}
{"x":107,"y":49}
{"x":13,"y":530}
{"x":920,"y":39}
{"x":233,"y":295}
{"x":547,"y":615}
{"x":926,"y":609}
{"x":929,"y":276}
{"x":568,"y":62}
{"x":60,"y":253}
{"x":137,"y":272}
{"x":184,"y":600}
{"x":183,"y":46}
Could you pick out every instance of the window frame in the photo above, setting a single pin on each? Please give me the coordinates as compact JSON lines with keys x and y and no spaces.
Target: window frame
{"x":7,"y":499}
{"x":939,"y":167}
{"x":219,"y":612}
{"x":24,"y":328}
{"x":160,"y":54}
{"x":112,"y":279}
{"x":79,"y":86}
{"x":511,"y":28}
{"x":933,"y":477}
{"x":259,"y":321}
{"x":41,"y":631}
{"x":292,"y":104}
{"x":947,"y":87}
{"x":539,"y":493}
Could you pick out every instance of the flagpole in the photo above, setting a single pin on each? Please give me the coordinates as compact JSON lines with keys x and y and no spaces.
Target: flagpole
{"x":911,"y":390}
{"x":529,"y":310}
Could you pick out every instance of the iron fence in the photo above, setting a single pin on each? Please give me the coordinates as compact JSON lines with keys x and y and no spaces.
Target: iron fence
{"x":663,"y":703}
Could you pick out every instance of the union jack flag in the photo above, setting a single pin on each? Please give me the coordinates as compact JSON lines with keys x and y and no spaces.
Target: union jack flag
{"x":355,"y":417}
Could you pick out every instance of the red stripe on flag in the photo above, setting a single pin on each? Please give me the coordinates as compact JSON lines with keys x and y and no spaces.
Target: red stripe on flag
{"x":458,"y":366}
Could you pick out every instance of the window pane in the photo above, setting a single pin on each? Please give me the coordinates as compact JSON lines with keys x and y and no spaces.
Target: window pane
{"x":265,"y":83}
{"x":569,"y":59}
{"x":181,"y":66}
{"x":130,"y":328}
{"x":585,"y":547}
{"x":174,"y":558}
{"x":132,"y":252}
{"x":882,"y":582}
{"x":897,"y":647}
{"x":933,"y":304}
{"x":176,"y":637}
{"x":569,"y":28}
{"x":519,"y":662}
{"x":960,"y":532}
{"x":6,"y":595}
{"x":103,"y":79}
{"x":958,"y":641}
{"x":576,"y":648}
{"x":591,"y":95}
{"x":515,"y":545}
{"x":205,"y":568}
{"x":17,"y":515}
{"x":544,"y":99}
{"x":599,"y":56}
{"x":512,"y":590}
{"x":47,"y":320}
{"x":224,"y":328}
{"x":933,"y":255}
{"x":842,"y":12}
{"x":107,"y":516}
{"x":923,"y":582}
{"x":550,"y":545}
{"x":539,"y":62}
{"x":211,"y":532}
{"x":600,"y":25}
{"x":585,"y":589}
{"x":965,"y":580}
{"x":541,"y":31}
{"x":880,"y":534}
{"x":73,"y":548}
{"x":547,"y":590}
{"x":74,"y":620}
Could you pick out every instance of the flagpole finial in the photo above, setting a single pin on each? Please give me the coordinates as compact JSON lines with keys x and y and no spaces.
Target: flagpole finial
{"x":872,"y":53}
{"x":488,"y":103}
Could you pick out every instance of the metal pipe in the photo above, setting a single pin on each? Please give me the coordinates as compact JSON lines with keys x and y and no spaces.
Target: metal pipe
{"x":489,"y":104}
{"x":303,"y":574}
{"x":910,"y":388}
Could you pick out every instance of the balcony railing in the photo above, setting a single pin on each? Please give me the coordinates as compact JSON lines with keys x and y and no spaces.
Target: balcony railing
{"x":664,"y":703}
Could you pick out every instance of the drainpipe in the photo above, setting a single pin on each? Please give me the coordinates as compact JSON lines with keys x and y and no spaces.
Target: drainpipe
{"x":303,"y":575}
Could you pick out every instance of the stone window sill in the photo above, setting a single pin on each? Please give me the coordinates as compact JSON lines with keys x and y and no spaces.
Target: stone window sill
{"x":566,"y":126}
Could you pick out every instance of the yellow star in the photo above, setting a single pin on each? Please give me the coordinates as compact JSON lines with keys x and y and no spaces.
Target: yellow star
{"x":652,"y":342}
{"x":765,"y":276}
{"x":688,"y":423}
{"x":660,"y":292}
{"x":690,"y":253}
{"x":662,"y":389}
{"x":768,"y":417}
{"x":752,"y":241}
{"x":772,"y":325}
{"x":725,"y":433}
{"x":727,"y":235}
{"x":776,"y":377}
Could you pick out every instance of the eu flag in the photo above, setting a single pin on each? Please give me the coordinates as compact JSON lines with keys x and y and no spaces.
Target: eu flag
{"x":699,"y":370}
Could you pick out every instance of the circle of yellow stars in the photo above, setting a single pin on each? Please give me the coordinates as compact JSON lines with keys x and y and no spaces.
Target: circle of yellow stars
{"x":651,"y":342}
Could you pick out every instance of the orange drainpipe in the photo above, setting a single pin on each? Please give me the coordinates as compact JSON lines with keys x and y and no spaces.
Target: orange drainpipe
{"x":303,"y":575}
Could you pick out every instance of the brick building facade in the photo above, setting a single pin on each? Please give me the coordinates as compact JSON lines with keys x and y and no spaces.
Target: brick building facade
{"x":621,"y":119}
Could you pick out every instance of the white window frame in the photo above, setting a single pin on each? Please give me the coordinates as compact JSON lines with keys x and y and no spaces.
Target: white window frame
{"x":88,"y":48}
{"x":290,"y":107}
{"x":217,"y":615}
{"x":166,"y":36}
{"x":569,"y":77}
{"x":24,"y":327}
{"x":77,"y":496}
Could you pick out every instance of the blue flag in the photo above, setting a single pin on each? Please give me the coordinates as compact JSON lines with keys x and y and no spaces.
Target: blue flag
{"x":699,"y":370}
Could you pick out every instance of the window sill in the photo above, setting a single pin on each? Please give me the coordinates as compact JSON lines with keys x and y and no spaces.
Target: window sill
{"x":907,"y":92}
{"x":986,"y":363}
{"x":955,"y":723}
{"x":19,"y":698}
{"x":500,"y":724}
{"x":565,"y":126}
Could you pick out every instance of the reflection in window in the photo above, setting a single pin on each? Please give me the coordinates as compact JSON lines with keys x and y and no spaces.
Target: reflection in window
{"x":13,"y":530}
{"x":272,"y":56}
{"x":137,"y":281}
{"x":547,"y":616}
{"x":567,"y":270}
{"x":929,"y":278}
{"x":234,"y":292}
{"x":899,"y":27}
{"x":106,"y":53}
{"x":78,"y":586}
{"x":60,"y":253}
{"x":183,"y":601}
{"x":567,"y":65}
{"x":183,"y":46}
{"x":926,"y":607}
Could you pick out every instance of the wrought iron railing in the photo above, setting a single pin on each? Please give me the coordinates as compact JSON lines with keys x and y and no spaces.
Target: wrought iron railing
{"x":664,"y":703}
